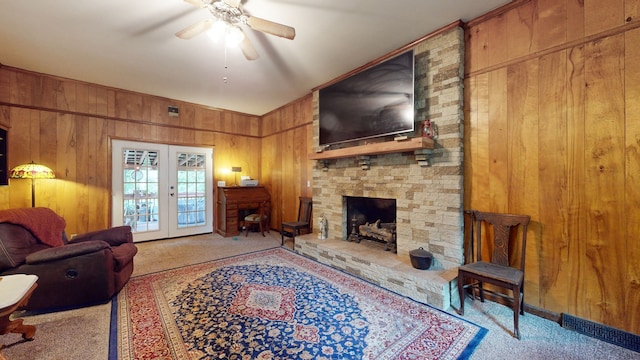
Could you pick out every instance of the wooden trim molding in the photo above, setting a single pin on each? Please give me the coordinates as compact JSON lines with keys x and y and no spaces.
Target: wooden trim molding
{"x":114,"y":118}
{"x":457,"y":23}
{"x":630,"y":25}
{"x":495,"y":12}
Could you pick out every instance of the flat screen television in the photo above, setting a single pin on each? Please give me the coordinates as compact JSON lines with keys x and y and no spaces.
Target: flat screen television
{"x":375,"y":102}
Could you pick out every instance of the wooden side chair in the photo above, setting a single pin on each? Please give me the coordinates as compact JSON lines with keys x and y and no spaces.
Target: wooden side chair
{"x":500,"y":268}
{"x":293,"y":228}
{"x":262,"y":219}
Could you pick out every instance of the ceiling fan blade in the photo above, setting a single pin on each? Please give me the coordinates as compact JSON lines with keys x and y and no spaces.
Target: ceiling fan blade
{"x":271,"y":27}
{"x":195,"y":29}
{"x":197,"y":3}
{"x":232,"y":3}
{"x":248,"y":50}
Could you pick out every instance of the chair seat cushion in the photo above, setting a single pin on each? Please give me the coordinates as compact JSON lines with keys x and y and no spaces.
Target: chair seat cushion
{"x":253,"y":217}
{"x":295,"y":224}
{"x":493,"y":271}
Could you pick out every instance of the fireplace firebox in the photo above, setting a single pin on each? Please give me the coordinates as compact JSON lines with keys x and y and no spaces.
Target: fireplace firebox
{"x":371,"y":219}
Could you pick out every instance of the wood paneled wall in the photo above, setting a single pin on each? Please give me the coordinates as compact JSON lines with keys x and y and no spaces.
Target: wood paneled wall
{"x":552,"y":130}
{"x":67,"y":125}
{"x":286,"y":144}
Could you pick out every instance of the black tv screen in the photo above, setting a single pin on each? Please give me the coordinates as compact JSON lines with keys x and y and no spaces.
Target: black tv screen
{"x":375,"y":102}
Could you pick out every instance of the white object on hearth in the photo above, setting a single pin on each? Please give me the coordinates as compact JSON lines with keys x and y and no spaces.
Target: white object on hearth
{"x":322,"y":235}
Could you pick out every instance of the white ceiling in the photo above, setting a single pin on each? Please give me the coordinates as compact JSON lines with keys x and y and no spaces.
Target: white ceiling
{"x":130,"y":44}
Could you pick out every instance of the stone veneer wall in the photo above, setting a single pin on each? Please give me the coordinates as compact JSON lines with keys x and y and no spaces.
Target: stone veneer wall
{"x":429,"y":198}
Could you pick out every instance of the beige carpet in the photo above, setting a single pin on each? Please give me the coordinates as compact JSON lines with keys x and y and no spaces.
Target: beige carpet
{"x":83,"y":334}
{"x":72,"y":334}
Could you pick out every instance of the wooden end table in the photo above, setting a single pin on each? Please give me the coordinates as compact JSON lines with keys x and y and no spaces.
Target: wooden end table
{"x":15,"y":291}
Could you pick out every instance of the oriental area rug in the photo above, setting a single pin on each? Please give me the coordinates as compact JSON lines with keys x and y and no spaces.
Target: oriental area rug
{"x":276,"y":304}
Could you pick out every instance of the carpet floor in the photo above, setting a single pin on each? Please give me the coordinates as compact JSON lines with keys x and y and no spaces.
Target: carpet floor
{"x":83,"y":334}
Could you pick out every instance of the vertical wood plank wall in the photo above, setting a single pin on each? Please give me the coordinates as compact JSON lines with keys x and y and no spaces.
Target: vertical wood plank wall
{"x":552,"y":129}
{"x":286,"y":144}
{"x":67,"y":125}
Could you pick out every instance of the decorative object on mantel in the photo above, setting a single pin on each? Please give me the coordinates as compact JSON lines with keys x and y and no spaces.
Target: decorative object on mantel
{"x":421,"y":259}
{"x":32,"y":171}
{"x":428,"y":129}
{"x":324,"y":231}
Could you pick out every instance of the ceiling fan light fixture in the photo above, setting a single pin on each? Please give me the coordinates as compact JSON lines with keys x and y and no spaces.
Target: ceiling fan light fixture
{"x":233,"y":37}
{"x":217,"y":30}
{"x":228,"y":15}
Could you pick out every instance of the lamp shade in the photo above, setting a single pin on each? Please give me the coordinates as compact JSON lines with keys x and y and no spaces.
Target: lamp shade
{"x":31,"y":171}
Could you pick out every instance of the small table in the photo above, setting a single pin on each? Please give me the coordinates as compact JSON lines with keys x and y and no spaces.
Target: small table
{"x":15,"y":291}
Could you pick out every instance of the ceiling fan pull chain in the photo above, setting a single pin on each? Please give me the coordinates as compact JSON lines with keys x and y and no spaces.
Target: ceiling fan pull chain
{"x":224,"y":78}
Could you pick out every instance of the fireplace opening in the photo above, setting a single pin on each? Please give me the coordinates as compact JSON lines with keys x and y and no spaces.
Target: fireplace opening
{"x":371,"y":219}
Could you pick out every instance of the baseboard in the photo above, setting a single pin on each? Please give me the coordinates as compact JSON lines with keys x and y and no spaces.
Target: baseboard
{"x":601,"y":332}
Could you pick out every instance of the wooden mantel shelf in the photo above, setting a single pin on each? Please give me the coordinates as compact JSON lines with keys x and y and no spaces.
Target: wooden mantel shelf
{"x":387,"y":147}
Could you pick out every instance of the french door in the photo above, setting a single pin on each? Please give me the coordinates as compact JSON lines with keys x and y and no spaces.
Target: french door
{"x":162,"y":191}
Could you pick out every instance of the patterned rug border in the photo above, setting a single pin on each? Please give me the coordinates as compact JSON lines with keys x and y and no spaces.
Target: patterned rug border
{"x":316,"y":269}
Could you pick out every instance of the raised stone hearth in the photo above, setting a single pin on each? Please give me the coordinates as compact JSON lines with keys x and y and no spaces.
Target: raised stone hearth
{"x":369,"y":262}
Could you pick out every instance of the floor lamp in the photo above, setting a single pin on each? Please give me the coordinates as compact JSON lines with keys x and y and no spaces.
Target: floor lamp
{"x":32,"y":171}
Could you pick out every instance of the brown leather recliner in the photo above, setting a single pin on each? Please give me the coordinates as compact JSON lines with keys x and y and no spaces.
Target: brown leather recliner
{"x":87,"y":270}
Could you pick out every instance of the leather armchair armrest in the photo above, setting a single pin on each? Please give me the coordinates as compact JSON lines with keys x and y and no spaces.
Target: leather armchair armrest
{"x":66,"y":252}
{"x":113,"y":236}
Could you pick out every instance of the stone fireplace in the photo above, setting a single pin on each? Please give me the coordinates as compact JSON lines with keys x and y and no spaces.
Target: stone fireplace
{"x":428,"y":196}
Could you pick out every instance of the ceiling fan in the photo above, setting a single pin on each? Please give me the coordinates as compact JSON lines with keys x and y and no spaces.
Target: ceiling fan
{"x":228,"y":16}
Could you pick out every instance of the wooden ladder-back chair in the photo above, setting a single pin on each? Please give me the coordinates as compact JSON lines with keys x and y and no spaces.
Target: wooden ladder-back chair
{"x":262,"y":218}
{"x":501,"y":269}
{"x":293,"y":228}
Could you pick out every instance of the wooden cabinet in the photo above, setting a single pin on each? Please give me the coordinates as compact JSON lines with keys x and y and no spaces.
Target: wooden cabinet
{"x":232,"y":201}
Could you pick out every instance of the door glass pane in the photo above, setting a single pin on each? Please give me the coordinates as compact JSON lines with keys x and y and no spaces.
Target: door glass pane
{"x":140,"y":189}
{"x":190,"y":185}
